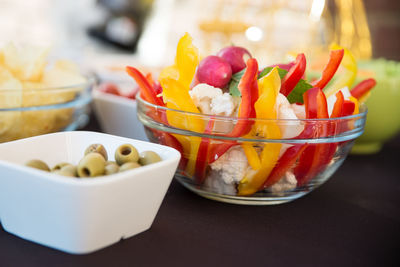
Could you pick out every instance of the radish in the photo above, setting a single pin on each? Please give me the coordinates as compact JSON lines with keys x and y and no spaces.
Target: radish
{"x":214,"y":71}
{"x":236,"y":56}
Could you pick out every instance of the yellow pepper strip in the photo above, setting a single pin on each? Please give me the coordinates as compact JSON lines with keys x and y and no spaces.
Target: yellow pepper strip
{"x":251,"y":155}
{"x":356,"y":103}
{"x":186,"y":61}
{"x":177,"y":97}
{"x":175,"y":81}
{"x":269,"y":87}
{"x":349,"y":65}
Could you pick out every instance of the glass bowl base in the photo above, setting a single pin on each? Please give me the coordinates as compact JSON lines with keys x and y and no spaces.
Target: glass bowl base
{"x":258,"y":199}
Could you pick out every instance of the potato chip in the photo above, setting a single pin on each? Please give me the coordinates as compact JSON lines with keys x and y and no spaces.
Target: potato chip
{"x":58,"y":77}
{"x":25,"y":62}
{"x":25,"y":83}
{"x":67,"y":65}
{"x":32,"y":85}
{"x":10,"y":90}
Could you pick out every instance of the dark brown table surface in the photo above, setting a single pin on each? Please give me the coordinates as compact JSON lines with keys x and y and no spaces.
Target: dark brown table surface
{"x":352,"y":220}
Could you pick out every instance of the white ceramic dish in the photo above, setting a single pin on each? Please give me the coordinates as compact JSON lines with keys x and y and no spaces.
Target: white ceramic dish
{"x":79,"y":215}
{"x":117,"y":115}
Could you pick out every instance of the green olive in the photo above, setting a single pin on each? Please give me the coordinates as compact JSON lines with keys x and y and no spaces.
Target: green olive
{"x":67,"y":170}
{"x":148,"y":157}
{"x":111,"y":168}
{"x":91,"y":165}
{"x":129,"y":166}
{"x":38,"y":164}
{"x":59,"y":166}
{"x":126,"y":153}
{"x":98,"y":148}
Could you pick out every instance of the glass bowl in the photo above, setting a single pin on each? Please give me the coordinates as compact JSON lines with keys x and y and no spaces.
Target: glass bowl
{"x":254,"y":170}
{"x":30,"y":112}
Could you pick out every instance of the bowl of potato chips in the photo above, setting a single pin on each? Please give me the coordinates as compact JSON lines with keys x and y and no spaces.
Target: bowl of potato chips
{"x":38,"y":96}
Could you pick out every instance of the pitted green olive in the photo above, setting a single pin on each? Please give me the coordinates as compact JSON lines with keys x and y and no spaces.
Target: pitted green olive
{"x":129,"y":166}
{"x":148,"y":157}
{"x":59,"y":166}
{"x":98,"y":148}
{"x":126,"y":153}
{"x":67,"y":170}
{"x":91,"y":165}
{"x":38,"y":164}
{"x":111,"y":168}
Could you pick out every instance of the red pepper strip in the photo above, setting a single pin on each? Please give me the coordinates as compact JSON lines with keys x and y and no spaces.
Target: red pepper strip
{"x":363,"y":88}
{"x":335,"y":57}
{"x":338,"y":111}
{"x":147,"y":90}
{"x":202,"y":154}
{"x":248,"y":88}
{"x":316,"y":106}
{"x":294,"y":75}
{"x":348,"y":108}
{"x":287,"y":160}
{"x":169,"y":140}
{"x":310,"y":159}
{"x":338,"y":107}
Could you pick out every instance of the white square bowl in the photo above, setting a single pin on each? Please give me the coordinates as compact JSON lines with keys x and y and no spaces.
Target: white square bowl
{"x":79,"y":215}
{"x":117,"y":115}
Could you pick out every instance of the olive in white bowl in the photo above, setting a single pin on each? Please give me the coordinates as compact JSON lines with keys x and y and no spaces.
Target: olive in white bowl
{"x":79,"y":215}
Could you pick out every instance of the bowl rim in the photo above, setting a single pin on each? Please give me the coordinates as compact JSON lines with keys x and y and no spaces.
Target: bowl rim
{"x":91,"y":79}
{"x":362,"y":114}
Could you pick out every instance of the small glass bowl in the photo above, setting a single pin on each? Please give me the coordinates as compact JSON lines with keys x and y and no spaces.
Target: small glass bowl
{"x":30,"y":112}
{"x":222,"y":179}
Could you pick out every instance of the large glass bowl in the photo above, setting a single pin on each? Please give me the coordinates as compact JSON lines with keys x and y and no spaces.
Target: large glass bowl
{"x":222,"y":179}
{"x":30,"y":112}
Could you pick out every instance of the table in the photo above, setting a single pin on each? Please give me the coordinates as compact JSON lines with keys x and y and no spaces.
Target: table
{"x":352,"y":220}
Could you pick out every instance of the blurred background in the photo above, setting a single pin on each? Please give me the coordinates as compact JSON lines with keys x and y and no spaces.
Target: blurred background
{"x":104,"y":36}
{"x":148,"y":30}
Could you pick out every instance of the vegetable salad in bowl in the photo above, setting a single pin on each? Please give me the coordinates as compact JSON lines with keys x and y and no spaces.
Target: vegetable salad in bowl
{"x":252,"y":135}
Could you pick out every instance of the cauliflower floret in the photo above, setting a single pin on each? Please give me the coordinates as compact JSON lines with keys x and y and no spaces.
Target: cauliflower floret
{"x":285,"y":111}
{"x":299,"y":111}
{"x":227,"y":171}
{"x":288,"y":182}
{"x":222,"y":105}
{"x":211,"y":100}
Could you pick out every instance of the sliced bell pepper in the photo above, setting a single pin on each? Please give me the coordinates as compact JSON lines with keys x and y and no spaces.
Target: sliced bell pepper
{"x":150,"y":94}
{"x":335,"y":57}
{"x":268,"y":88}
{"x":294,"y":75}
{"x":348,"y":75}
{"x":147,"y":90}
{"x":285,"y":163}
{"x":249,"y":90}
{"x":338,"y":106}
{"x":202,"y":154}
{"x":177,"y":97}
{"x":186,"y":61}
{"x":339,"y":110}
{"x":156,"y":86}
{"x":350,"y":107}
{"x":361,"y":90}
{"x":310,"y":160}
